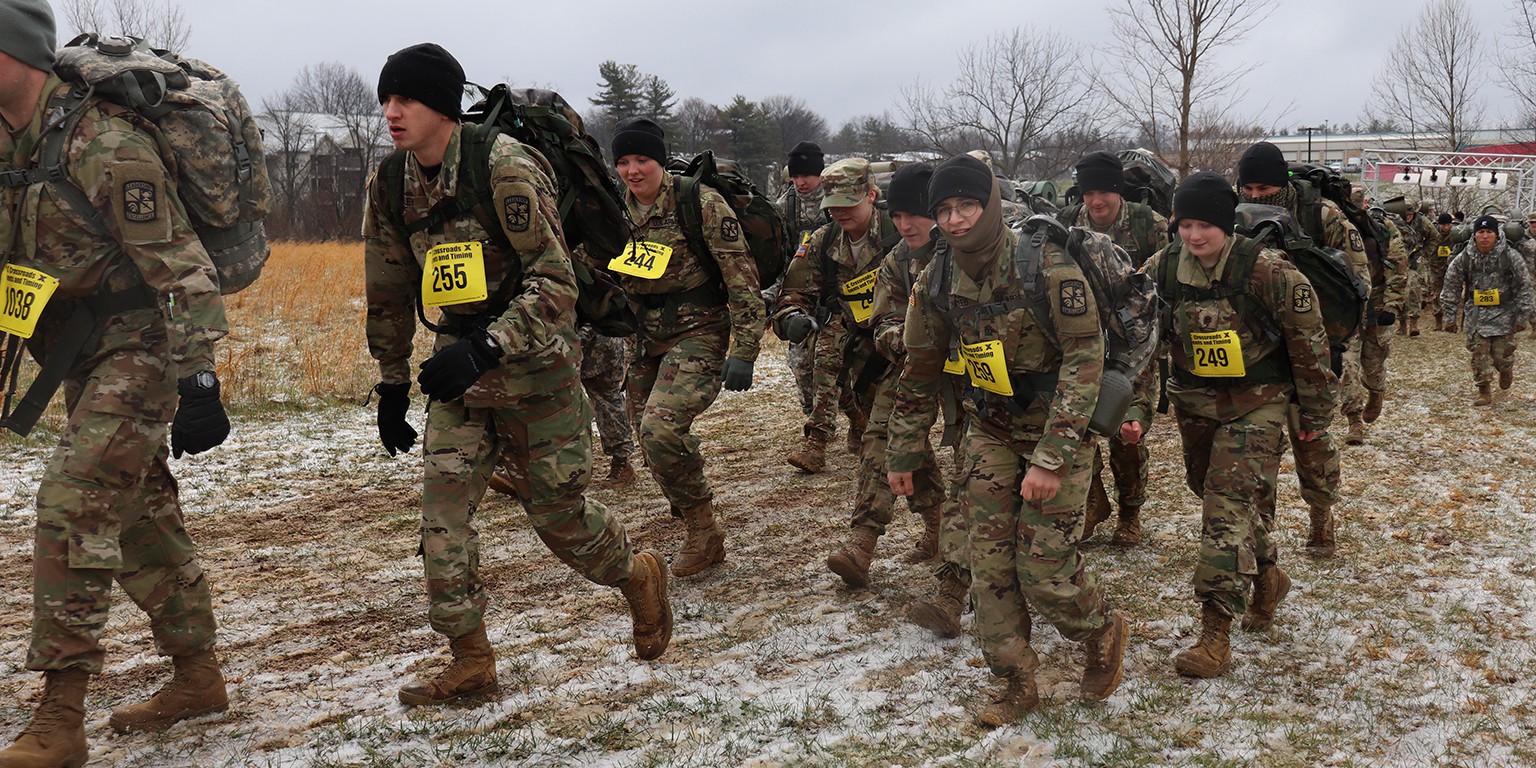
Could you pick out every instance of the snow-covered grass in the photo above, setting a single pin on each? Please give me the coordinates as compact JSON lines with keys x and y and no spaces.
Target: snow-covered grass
{"x":1412,"y":647}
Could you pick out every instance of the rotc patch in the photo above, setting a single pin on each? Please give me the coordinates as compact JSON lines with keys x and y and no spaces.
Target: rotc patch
{"x":140,"y":202}
{"x":1355,"y":243}
{"x":1301,"y":299}
{"x":1074,"y":298}
{"x":518,"y":213}
{"x":730,"y":230}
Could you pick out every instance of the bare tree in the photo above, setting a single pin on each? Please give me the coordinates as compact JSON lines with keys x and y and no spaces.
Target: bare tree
{"x":158,"y":22}
{"x":696,"y":127}
{"x":796,"y":122}
{"x":357,"y":131}
{"x":1167,"y":80}
{"x":290,"y":133}
{"x":1517,"y":61}
{"x":1430,"y":78}
{"x":1010,"y":92}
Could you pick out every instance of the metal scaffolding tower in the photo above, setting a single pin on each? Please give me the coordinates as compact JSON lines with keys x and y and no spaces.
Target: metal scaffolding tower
{"x":1474,"y":179}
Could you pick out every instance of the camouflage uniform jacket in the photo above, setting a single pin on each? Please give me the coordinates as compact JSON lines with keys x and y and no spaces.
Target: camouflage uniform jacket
{"x":851,"y":266}
{"x":1278,"y":291}
{"x":692,"y":297}
{"x":1499,"y":270}
{"x":536,"y":330}
{"x":1389,"y":291}
{"x":1047,"y":426}
{"x":1418,"y":237}
{"x":893,"y":291}
{"x":1527,"y":246}
{"x":802,"y":214}
{"x":1138,"y":229}
{"x":113,"y":157}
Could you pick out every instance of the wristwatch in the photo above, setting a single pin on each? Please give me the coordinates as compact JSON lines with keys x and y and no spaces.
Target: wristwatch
{"x":204,"y":380}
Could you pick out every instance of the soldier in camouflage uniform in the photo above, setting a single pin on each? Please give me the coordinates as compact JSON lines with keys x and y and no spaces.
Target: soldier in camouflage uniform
{"x":1027,"y":458}
{"x":829,"y":290}
{"x":1263,"y":178}
{"x":701,"y":318}
{"x":800,"y":206}
{"x":851,"y":271}
{"x":1230,"y":388}
{"x":1494,"y":286}
{"x":1389,"y":291}
{"x":1142,"y":232}
{"x":139,"y":282}
{"x":1441,"y":258}
{"x":502,"y":378}
{"x":1418,"y":241}
{"x":1527,"y":246}
{"x":602,"y":376}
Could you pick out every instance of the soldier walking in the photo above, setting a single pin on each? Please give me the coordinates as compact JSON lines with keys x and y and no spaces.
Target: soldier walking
{"x":1490,"y":281}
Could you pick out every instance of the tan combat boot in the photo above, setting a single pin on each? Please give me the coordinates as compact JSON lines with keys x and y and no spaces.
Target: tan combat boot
{"x":1439,"y":323}
{"x":196,"y":688}
{"x":941,"y":615}
{"x":1128,"y":532}
{"x":1373,"y":403}
{"x":1506,"y":378}
{"x":1098,"y":507}
{"x":650,"y":610}
{"x":473,"y":671}
{"x":1413,"y":326}
{"x":1019,"y":696}
{"x":1402,"y":326}
{"x":1103,"y":654}
{"x":1269,"y":588}
{"x":705,"y":543}
{"x":1356,"y":433}
{"x":56,"y":736}
{"x":1211,"y":655}
{"x":927,"y":545}
{"x":857,"y":421}
{"x":1484,"y":396}
{"x":811,"y":456}
{"x":851,"y":562}
{"x":620,"y":472}
{"x":1320,"y":543}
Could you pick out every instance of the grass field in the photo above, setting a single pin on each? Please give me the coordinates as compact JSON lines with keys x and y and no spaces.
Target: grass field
{"x":1412,"y":647}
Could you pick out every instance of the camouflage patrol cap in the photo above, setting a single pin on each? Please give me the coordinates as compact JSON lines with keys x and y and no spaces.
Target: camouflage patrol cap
{"x":847,"y":182}
{"x":1530,"y":216}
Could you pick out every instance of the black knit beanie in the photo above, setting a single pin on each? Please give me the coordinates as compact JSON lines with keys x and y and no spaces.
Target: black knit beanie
{"x":959,"y":176}
{"x":28,"y":33}
{"x":1486,"y":222}
{"x":427,"y":73}
{"x":1444,"y":218}
{"x":1207,"y":197}
{"x":639,"y":136}
{"x":909,"y":189}
{"x":806,"y":159}
{"x":1100,"y":172}
{"x":1263,"y":163}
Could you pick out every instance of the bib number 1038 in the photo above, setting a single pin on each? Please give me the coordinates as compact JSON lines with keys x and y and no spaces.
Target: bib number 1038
{"x":26,"y":292}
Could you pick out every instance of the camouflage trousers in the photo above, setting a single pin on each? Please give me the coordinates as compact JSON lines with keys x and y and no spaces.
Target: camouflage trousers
{"x":602,"y":375}
{"x":802,"y":363}
{"x":1318,"y":464}
{"x":1025,"y":554}
{"x":107,"y":510}
{"x":954,"y":534}
{"x":1490,"y":355}
{"x":1415,"y":303}
{"x":668,"y":391}
{"x":874,"y":502}
{"x":1436,"y":284}
{"x":836,"y":358}
{"x":545,"y":448}
{"x":1232,"y":467}
{"x":1365,"y":367}
{"x":1128,"y":465}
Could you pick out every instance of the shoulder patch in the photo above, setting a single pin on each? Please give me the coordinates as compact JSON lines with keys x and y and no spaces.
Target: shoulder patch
{"x":518,"y":211}
{"x":1301,"y":299}
{"x":1355,"y":243}
{"x":140,"y":202}
{"x":1074,"y":298}
{"x":730,"y":229}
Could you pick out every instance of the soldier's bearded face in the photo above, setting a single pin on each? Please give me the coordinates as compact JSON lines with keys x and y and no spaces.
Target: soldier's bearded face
{"x":806,"y":184}
{"x":1485,"y":239}
{"x":1204,"y":240}
{"x":913,"y":228}
{"x":1103,"y":207}
{"x":642,"y":175}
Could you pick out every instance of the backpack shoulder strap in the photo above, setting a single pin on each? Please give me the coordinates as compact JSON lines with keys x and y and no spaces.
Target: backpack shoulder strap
{"x":391,"y":179}
{"x":68,"y":108}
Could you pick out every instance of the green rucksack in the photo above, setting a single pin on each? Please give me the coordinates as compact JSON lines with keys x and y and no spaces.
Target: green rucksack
{"x":1321,"y":181}
{"x":1341,"y":293}
{"x":592,"y":216}
{"x":761,"y":224}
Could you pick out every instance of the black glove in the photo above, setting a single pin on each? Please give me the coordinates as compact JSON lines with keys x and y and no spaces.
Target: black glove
{"x":1385,"y":318}
{"x":797,"y":327}
{"x":737,"y":375}
{"x":200,"y":421}
{"x":395,"y":432}
{"x":450,"y":373}
{"x":1336,"y":360}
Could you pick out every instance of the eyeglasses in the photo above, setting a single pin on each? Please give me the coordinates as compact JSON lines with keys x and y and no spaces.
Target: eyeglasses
{"x":964,"y":209}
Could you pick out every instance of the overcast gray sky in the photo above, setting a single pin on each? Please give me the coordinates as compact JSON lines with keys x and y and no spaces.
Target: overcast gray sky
{"x":845,"y":58}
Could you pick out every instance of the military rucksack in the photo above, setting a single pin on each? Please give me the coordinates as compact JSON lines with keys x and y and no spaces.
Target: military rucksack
{"x":1321,"y":181}
{"x":761,"y":225}
{"x":592,"y":216}
{"x":205,"y":132}
{"x":1126,"y":300}
{"x":1341,"y":293}
{"x":1148,"y":181}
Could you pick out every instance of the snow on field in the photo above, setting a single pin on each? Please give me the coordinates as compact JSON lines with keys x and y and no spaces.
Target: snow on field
{"x":1412,"y":647}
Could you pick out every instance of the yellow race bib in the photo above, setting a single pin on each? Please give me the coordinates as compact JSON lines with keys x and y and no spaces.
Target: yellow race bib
{"x":1443,"y":251}
{"x":454,"y":274}
{"x":953,"y":365}
{"x":1218,"y":354}
{"x":643,"y":260}
{"x":860,"y":295}
{"x":988,"y":369}
{"x":26,"y":291}
{"x":1486,"y":298}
